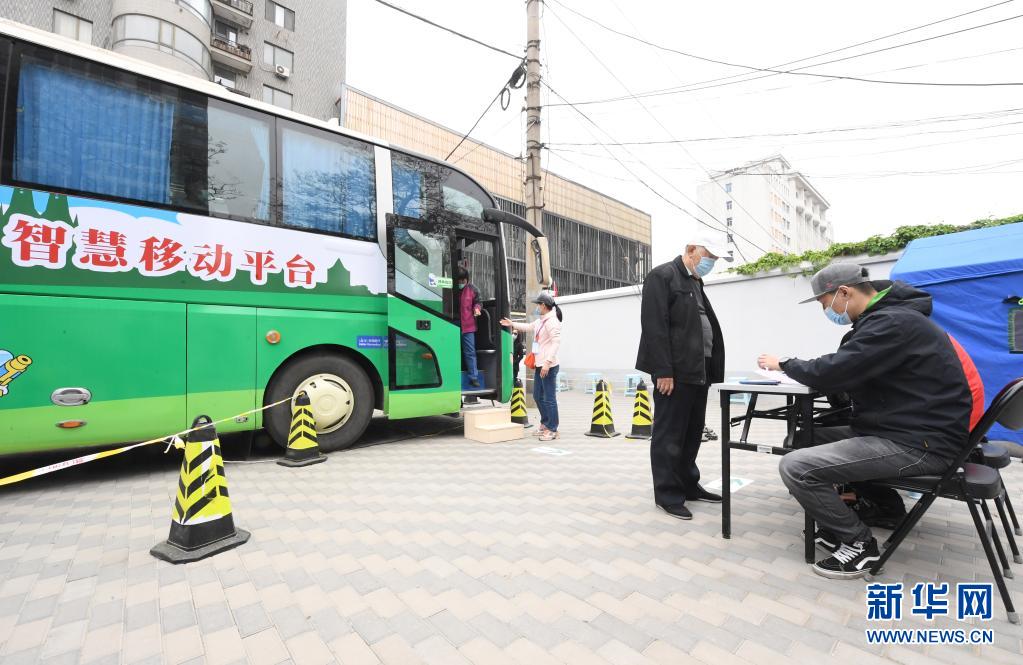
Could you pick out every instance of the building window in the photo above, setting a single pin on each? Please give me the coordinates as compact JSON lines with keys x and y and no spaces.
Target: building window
{"x":139,"y":30}
{"x":225,"y":77}
{"x":728,"y":187}
{"x":226,"y":31}
{"x":275,"y":56}
{"x":277,"y":97}
{"x":282,"y":16}
{"x":71,"y":26}
{"x":728,"y":221}
{"x":728,"y":205}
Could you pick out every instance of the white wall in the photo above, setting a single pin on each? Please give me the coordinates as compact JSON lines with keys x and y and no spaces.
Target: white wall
{"x":758,"y":315}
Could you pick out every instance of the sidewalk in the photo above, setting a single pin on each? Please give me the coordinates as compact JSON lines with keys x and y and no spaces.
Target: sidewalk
{"x":443,"y":551}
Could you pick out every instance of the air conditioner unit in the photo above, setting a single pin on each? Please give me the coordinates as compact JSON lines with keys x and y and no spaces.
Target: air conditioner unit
{"x":282,"y":71}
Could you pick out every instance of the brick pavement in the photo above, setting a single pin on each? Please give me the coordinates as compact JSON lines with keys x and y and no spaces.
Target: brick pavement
{"x":442,"y":551}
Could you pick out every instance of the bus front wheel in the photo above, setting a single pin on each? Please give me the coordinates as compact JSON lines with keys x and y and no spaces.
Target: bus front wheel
{"x":340,"y":393}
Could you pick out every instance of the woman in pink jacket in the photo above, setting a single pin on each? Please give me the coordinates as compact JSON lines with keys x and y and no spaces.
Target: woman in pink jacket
{"x":546,"y":342}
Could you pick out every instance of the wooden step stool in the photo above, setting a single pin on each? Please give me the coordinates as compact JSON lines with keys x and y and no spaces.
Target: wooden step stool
{"x":491,"y":425}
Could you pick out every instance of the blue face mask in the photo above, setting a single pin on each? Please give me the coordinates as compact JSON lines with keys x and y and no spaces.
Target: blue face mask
{"x":536,"y":312}
{"x":836,"y":318}
{"x":704,"y":267}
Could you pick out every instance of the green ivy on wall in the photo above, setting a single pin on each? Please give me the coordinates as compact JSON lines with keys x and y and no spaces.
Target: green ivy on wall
{"x":873,"y":245}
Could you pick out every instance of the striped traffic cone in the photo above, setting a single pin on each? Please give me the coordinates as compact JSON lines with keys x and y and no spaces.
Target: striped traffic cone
{"x":642,"y":416}
{"x":303,"y":448}
{"x":201,"y":521}
{"x":602,"y":424}
{"x":518,"y":405}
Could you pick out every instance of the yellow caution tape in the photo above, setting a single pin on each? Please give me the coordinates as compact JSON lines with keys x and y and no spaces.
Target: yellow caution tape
{"x":172,"y":440}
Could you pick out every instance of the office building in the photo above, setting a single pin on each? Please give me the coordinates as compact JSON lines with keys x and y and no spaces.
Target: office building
{"x":766,"y":205}
{"x":286,"y":52}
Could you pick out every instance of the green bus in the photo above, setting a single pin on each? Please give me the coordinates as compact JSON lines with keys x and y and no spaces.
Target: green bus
{"x":169,"y":248}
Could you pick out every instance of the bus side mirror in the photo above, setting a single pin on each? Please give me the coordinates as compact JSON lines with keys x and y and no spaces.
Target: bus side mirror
{"x":542,"y":260}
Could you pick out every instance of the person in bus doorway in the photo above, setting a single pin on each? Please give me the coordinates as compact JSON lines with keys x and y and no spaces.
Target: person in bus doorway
{"x":683,"y":351}
{"x":546,"y":331}
{"x":469,"y":307}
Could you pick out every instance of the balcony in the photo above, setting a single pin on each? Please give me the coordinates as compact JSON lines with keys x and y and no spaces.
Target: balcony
{"x":236,"y":11}
{"x":234,"y":55}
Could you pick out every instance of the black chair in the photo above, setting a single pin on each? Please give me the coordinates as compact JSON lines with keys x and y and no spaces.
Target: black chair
{"x":969,"y":482}
{"x":1000,"y":454}
{"x":998,"y":458}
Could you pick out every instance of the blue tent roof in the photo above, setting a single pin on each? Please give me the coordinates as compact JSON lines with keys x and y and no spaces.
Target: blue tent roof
{"x":967,"y":255}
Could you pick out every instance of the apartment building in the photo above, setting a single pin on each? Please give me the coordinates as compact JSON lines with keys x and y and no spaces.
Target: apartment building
{"x":286,"y":52}
{"x":767,"y":205}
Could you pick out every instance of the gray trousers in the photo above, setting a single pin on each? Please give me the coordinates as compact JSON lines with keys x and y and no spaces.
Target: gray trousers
{"x":811,"y":474}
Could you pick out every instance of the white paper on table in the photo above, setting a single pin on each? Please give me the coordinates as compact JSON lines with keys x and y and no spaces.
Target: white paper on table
{"x":780,"y":377}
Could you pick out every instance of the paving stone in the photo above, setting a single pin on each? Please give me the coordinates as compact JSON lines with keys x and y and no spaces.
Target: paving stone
{"x":177,"y":617}
{"x":251,"y":619}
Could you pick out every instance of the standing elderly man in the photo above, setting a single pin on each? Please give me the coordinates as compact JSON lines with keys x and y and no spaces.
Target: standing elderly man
{"x":682,"y":350}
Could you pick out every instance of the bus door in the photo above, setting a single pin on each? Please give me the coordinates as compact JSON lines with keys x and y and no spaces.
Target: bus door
{"x":424,"y":333}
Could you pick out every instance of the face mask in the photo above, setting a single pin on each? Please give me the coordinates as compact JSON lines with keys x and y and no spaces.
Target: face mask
{"x":536,"y":312}
{"x":836,"y":318}
{"x":704,"y":267}
{"x":461,"y":285}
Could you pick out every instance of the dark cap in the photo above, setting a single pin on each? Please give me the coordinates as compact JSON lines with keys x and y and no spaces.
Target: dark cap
{"x":545,"y":300}
{"x":833,"y":276}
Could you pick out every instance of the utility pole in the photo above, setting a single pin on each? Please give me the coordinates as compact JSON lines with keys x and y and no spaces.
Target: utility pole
{"x":534,"y":184}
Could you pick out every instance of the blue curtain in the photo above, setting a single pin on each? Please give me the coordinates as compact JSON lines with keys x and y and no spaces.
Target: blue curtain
{"x":328,"y":186}
{"x":78,"y":133}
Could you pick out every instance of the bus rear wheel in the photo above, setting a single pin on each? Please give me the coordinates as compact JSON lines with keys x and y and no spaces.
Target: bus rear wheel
{"x":340,"y":393}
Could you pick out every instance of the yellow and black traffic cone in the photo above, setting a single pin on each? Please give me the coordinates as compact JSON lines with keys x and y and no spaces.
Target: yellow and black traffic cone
{"x":303,"y":448}
{"x":518,"y":405}
{"x":201,"y":521}
{"x":642,"y":416}
{"x":602,"y":424}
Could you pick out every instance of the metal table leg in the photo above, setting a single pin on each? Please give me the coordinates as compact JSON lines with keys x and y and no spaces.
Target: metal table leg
{"x":726,"y":470}
{"x":809,"y":526}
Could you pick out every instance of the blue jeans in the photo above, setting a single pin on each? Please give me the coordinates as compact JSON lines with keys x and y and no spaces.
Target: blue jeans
{"x":469,"y":354}
{"x":545,"y":394}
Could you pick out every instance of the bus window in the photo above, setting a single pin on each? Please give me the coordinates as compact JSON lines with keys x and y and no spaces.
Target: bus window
{"x":464,"y":197}
{"x":328,"y":182}
{"x":238,"y":181}
{"x":407,"y":185}
{"x":89,"y":128}
{"x":422,"y":268}
{"x":425,"y":188}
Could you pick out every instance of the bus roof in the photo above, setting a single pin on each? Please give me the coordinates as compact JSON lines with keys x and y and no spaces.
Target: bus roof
{"x":107,"y":57}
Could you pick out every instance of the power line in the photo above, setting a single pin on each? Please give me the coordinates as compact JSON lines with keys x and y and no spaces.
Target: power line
{"x":643,"y":182}
{"x":837,"y":130}
{"x":666,"y":131}
{"x":448,"y":30}
{"x":514,"y":81}
{"x":797,"y":71}
{"x":851,"y":46}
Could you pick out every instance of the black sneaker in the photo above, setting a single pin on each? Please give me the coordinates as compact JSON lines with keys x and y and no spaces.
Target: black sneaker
{"x":709,"y":435}
{"x":703,"y":495}
{"x":679,"y":510}
{"x":474,"y":383}
{"x":849,"y":561}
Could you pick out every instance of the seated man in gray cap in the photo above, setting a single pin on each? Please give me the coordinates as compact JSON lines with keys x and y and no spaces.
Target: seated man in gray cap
{"x":910,"y":406}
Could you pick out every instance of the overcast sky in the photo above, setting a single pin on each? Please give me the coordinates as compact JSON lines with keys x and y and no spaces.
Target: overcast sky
{"x":875,"y":180}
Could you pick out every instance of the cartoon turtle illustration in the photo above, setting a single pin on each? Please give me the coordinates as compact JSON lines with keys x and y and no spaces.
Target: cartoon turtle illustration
{"x":11,"y":367}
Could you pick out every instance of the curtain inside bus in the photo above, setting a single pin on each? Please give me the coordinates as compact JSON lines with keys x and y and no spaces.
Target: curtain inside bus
{"x":76,"y":132}
{"x":329,"y":183}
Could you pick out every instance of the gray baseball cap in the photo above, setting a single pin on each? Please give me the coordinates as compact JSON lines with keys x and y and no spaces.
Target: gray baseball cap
{"x":828,"y":279}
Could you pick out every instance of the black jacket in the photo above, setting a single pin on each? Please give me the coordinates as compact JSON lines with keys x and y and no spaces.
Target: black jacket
{"x":671,"y":344}
{"x":901,"y":372}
